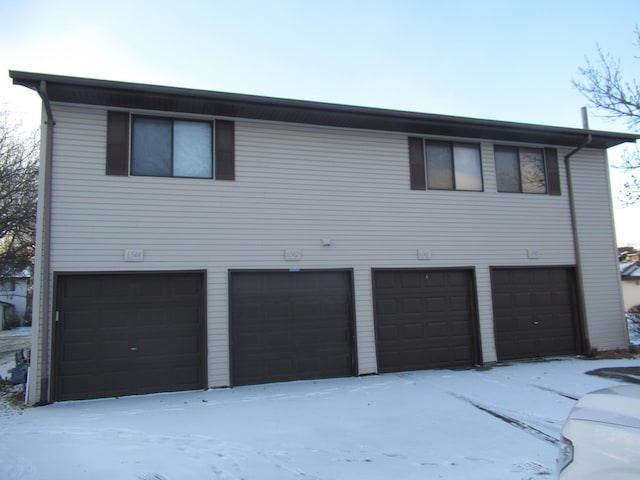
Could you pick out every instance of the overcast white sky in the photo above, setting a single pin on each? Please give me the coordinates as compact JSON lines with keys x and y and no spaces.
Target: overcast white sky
{"x":505,"y":60}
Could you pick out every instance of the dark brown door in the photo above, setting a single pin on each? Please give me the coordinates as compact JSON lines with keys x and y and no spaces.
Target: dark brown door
{"x":424,"y":319}
{"x":534,"y":312}
{"x":124,"y":334}
{"x":290,"y":326}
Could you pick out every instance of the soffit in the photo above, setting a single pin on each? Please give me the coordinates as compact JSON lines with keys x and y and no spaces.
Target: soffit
{"x":168,"y":99}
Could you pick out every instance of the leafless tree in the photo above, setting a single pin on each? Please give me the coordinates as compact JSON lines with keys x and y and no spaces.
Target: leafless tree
{"x":606,"y":89}
{"x":18,"y":196}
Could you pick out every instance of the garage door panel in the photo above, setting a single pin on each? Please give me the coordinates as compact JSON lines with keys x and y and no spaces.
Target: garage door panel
{"x":113,"y":348}
{"x":434,"y":305}
{"x":109,"y":318}
{"x":83,"y":319}
{"x":305,"y":318}
{"x":152,"y":347}
{"x":458,"y":303}
{"x":186,"y":286}
{"x":412,"y":330}
{"x":117,"y":329}
{"x":461,"y":329}
{"x":280,"y":339}
{"x":310,"y":338}
{"x":386,"y":306}
{"x":409,"y":305}
{"x":437,"y":279}
{"x":534,"y":312}
{"x":306,"y":309}
{"x":384,"y":281}
{"x":441,"y":355}
{"x":410,"y":280}
{"x":387,"y":333}
{"x":543,"y":298}
{"x":520,"y":277}
{"x":435,"y":331}
{"x":392,"y":358}
{"x":77,"y":352}
{"x":78,"y":289}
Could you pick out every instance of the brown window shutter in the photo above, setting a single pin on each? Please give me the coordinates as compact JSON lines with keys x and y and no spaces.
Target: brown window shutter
{"x":416,"y":164}
{"x":118,"y":143}
{"x":225,"y":150}
{"x":553,"y":171}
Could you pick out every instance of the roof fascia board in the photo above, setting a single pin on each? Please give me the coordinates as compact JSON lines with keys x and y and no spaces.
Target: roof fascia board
{"x":170,"y":99}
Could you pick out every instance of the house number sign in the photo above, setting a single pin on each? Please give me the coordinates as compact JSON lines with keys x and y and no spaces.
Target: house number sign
{"x":134,"y":255}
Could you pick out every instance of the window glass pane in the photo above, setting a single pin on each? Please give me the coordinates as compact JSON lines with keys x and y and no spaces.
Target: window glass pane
{"x":151,"y":149}
{"x":532,"y":170}
{"x":192,"y":149}
{"x":507,"y":170}
{"x":468,"y":171}
{"x":439,"y":168}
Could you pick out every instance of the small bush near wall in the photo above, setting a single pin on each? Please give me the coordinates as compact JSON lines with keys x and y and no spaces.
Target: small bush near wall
{"x":633,"y":323}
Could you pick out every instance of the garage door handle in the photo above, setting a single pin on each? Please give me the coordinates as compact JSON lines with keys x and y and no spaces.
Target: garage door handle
{"x":133,"y":349}
{"x":536,"y":323}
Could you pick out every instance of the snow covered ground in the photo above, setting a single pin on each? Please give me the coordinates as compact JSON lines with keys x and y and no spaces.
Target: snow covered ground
{"x":498,"y":423}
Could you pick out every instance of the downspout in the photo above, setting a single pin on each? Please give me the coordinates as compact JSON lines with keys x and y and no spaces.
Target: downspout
{"x":582,"y":308}
{"x":45,"y":315}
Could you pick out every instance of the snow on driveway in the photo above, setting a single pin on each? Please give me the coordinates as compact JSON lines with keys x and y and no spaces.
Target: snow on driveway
{"x":499,"y":423}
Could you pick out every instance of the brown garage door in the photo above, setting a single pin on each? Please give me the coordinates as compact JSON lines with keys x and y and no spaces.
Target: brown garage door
{"x":124,"y":334}
{"x":290,"y":326}
{"x":534,"y":312}
{"x":424,"y":319}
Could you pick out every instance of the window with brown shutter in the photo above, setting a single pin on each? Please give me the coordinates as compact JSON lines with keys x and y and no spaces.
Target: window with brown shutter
{"x":416,"y":164}
{"x":553,"y":171}
{"x":167,"y":147}
{"x":118,"y":143}
{"x":225,"y":150}
{"x":527,"y":170}
{"x":443,"y":165}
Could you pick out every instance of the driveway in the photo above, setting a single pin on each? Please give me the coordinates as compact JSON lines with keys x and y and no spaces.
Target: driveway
{"x":497,"y":423}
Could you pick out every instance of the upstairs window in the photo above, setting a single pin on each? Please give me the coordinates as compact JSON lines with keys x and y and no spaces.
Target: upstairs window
{"x":457,"y":166}
{"x":453,"y":166}
{"x":520,"y":170}
{"x":8,"y":285}
{"x":171,"y":148}
{"x":165,"y":147}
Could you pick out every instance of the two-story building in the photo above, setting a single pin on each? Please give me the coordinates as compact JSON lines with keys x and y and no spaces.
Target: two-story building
{"x":191,"y":239}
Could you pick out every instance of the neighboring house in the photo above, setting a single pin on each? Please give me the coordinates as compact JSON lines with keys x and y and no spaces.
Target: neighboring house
{"x":191,"y":239}
{"x":628,"y":254}
{"x":7,"y":317}
{"x":630,"y":274}
{"x":15,"y":292}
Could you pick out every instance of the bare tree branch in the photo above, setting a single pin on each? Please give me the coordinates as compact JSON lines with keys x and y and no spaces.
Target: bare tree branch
{"x":603,"y":84}
{"x":18,"y":196}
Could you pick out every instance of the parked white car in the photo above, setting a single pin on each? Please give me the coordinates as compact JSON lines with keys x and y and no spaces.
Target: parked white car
{"x":601,"y":437}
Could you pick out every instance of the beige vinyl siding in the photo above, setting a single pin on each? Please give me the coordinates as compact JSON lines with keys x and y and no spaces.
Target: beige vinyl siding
{"x":601,"y":275}
{"x":295,"y":185}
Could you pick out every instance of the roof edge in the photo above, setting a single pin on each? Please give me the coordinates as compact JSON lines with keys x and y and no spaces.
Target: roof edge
{"x":121,"y":94}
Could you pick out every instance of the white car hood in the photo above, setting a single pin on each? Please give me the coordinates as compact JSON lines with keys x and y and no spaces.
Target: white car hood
{"x":616,"y":406}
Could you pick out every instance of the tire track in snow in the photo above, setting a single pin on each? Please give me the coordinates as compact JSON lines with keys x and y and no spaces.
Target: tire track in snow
{"x":551,"y":390}
{"x":510,"y":420}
